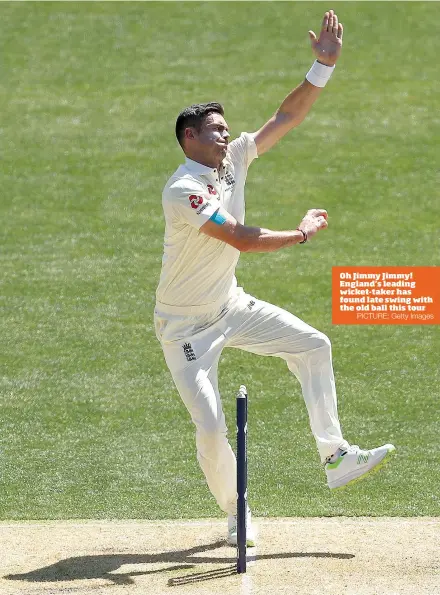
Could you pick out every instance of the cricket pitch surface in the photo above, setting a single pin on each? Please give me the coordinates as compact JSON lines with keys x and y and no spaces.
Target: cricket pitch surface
{"x":319,"y":556}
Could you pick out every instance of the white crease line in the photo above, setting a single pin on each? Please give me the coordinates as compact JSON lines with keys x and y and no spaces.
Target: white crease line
{"x":252,"y":558}
{"x":111,"y":523}
{"x":246,"y":585}
{"x":220,"y":522}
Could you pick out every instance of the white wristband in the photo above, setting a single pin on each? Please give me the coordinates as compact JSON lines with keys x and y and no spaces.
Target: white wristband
{"x":319,"y":74}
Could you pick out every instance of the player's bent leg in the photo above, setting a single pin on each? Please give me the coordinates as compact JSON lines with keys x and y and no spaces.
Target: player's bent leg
{"x":271,"y":331}
{"x":347,"y":464}
{"x":314,"y":370}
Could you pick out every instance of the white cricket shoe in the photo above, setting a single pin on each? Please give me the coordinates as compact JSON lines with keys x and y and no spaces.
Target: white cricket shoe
{"x":348,"y":466}
{"x":250,"y":530}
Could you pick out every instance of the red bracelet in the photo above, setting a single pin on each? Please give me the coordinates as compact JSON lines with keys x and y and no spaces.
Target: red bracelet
{"x":304,"y":235}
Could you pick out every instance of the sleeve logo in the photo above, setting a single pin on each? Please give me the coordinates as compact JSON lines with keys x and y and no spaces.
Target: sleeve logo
{"x":195,"y":201}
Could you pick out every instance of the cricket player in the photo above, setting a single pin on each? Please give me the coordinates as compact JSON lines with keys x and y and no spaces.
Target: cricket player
{"x":199,"y":307}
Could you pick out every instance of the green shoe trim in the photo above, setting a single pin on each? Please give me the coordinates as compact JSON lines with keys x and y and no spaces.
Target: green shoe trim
{"x":336,"y":464}
{"x":369,"y":473}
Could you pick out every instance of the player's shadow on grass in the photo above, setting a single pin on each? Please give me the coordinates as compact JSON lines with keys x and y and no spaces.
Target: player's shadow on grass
{"x":104,"y":566}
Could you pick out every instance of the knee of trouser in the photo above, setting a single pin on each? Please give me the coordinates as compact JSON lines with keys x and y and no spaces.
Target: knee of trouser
{"x":322,"y":341}
{"x":318,"y":345}
{"x":211,"y":441}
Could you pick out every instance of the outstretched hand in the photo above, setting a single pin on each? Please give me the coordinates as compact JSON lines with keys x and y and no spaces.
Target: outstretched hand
{"x":328,"y":47}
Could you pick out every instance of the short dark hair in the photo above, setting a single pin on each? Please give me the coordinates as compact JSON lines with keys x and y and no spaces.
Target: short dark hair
{"x":194,"y":115}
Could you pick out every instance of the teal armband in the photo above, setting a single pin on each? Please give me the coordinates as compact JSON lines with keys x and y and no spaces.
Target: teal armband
{"x":217,"y":218}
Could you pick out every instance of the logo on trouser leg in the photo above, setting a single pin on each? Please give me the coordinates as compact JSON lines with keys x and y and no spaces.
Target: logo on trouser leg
{"x":251,"y":304}
{"x":189,"y":352}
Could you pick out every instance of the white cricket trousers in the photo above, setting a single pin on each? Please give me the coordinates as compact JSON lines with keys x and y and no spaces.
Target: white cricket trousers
{"x":192,"y":347}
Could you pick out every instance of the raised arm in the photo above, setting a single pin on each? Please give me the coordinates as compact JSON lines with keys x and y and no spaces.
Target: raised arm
{"x":297,"y":104}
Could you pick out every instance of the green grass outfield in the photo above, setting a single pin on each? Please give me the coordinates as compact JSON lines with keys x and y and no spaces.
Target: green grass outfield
{"x":90,"y":423}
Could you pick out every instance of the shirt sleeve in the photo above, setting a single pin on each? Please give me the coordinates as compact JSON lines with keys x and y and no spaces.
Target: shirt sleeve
{"x":243,"y":150}
{"x":186,"y":202}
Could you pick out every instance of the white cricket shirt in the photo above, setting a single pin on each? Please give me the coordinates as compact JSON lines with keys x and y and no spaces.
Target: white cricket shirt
{"x":198,"y":272}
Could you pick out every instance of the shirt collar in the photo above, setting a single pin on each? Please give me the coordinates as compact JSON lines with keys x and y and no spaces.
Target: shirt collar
{"x":199,"y":168}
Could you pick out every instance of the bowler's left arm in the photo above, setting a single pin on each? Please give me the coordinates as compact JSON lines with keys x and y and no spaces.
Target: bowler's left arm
{"x":297,"y":104}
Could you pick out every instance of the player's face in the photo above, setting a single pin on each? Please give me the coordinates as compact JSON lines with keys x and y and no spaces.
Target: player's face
{"x":213,"y":136}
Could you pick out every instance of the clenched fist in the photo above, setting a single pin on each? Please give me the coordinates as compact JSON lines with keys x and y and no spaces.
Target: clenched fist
{"x":314,"y":220}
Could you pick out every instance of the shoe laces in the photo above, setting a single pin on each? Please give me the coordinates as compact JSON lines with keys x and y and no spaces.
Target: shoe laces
{"x":353,"y":448}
